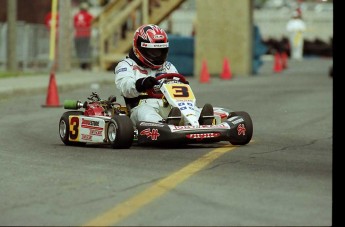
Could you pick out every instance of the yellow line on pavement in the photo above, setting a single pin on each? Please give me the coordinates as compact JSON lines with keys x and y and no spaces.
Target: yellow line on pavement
{"x":130,"y":206}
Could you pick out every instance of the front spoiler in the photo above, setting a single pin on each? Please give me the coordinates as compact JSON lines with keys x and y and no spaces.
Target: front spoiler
{"x":157,"y":133}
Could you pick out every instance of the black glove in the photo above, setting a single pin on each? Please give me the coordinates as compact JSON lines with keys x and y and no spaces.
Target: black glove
{"x":112,"y":98}
{"x":145,"y":83}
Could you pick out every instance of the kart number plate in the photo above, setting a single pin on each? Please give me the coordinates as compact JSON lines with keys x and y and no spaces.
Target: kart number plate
{"x":86,"y":129}
{"x":180,"y":91}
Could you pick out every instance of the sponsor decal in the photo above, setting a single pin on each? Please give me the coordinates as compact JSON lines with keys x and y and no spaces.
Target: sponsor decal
{"x":237,"y":121}
{"x":95,"y":132}
{"x":241,"y":129}
{"x":120,"y":70}
{"x":151,"y":124}
{"x":183,"y":104}
{"x":154,"y":45}
{"x":190,"y":127}
{"x":150,"y":134}
{"x":90,"y":124}
{"x":184,"y":100}
{"x":158,"y":36}
{"x":143,"y":71}
{"x":203,"y":135}
{"x":86,"y":137}
{"x":167,"y":65}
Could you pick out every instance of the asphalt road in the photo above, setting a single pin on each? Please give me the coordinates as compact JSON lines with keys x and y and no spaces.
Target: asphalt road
{"x":283,"y":177}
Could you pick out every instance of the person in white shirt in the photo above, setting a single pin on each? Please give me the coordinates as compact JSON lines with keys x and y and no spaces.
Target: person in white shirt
{"x":136,"y":74}
{"x":296,"y":27}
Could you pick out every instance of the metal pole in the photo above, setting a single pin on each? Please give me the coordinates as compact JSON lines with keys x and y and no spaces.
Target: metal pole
{"x":145,"y":11}
{"x":64,"y":36}
{"x":52,"y":45}
{"x":11,"y":35}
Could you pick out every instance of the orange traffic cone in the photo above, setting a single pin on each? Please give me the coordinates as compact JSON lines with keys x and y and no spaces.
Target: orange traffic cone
{"x":284,"y":59}
{"x":226,"y":73}
{"x":205,"y":75}
{"x":277,"y":67}
{"x":52,"y":95}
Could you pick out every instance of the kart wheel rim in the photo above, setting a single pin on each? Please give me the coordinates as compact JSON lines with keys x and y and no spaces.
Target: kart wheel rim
{"x":112,"y":132}
{"x":62,"y":129}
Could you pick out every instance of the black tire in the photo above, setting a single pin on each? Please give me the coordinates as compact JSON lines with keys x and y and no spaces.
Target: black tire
{"x":249,"y":129}
{"x":120,"y":132}
{"x":64,"y":126}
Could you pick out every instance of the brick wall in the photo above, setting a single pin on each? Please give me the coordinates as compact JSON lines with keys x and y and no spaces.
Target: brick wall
{"x":30,"y":11}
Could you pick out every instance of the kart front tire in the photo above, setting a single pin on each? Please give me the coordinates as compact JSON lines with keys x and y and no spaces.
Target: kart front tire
{"x":120,"y":132}
{"x":64,"y":129}
{"x":243,"y":140}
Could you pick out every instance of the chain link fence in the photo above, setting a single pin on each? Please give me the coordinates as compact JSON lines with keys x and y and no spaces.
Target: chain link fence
{"x":32,"y":46}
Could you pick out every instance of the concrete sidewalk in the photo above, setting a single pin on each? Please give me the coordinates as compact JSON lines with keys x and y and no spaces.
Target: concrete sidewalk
{"x":35,"y":84}
{"x":38,"y":84}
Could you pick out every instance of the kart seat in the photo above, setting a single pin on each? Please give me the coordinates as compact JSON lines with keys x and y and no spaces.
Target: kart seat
{"x":133,"y":102}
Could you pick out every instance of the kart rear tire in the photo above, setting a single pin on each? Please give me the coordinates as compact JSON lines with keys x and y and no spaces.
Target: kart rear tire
{"x":64,"y":126}
{"x":120,"y":132}
{"x":249,"y":128}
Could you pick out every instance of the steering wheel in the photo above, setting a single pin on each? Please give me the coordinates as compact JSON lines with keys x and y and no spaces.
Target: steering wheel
{"x":152,"y":94}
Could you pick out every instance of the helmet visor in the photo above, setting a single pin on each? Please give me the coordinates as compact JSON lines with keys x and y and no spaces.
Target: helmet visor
{"x":156,"y":53}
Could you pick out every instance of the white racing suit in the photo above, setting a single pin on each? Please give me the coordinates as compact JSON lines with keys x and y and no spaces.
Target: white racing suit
{"x":296,"y":28}
{"x":142,"y":108}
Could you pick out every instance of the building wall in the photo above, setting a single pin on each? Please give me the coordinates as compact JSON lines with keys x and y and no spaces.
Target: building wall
{"x":272,"y":23}
{"x":223,"y":30}
{"x":30,"y":11}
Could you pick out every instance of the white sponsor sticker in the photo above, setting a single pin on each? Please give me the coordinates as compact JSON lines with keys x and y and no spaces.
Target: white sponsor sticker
{"x":235,"y":121}
{"x":154,"y":45}
{"x":203,"y":127}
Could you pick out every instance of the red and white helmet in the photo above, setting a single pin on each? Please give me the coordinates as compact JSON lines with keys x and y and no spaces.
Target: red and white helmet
{"x":150,"y":45}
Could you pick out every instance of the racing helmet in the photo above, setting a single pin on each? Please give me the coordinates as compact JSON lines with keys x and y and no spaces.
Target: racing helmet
{"x":150,"y":45}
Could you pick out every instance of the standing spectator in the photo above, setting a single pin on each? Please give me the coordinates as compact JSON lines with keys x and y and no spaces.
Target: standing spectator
{"x":48,"y":23}
{"x":82,"y":25}
{"x":48,"y":20}
{"x":259,"y":49}
{"x":296,"y":28}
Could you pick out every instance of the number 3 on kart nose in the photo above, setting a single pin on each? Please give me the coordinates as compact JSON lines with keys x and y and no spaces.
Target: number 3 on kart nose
{"x":180,"y":91}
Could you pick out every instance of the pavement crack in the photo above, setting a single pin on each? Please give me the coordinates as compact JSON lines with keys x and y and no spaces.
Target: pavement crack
{"x":115,"y":193}
{"x":221,"y":164}
{"x":290,"y":147}
{"x":140,"y":184}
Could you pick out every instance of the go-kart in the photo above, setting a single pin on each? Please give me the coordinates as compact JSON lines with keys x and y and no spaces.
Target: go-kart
{"x":108,"y":122}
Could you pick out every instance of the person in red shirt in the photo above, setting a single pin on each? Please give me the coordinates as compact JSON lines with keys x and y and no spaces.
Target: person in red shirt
{"x":82,"y":36}
{"x":48,"y":20}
